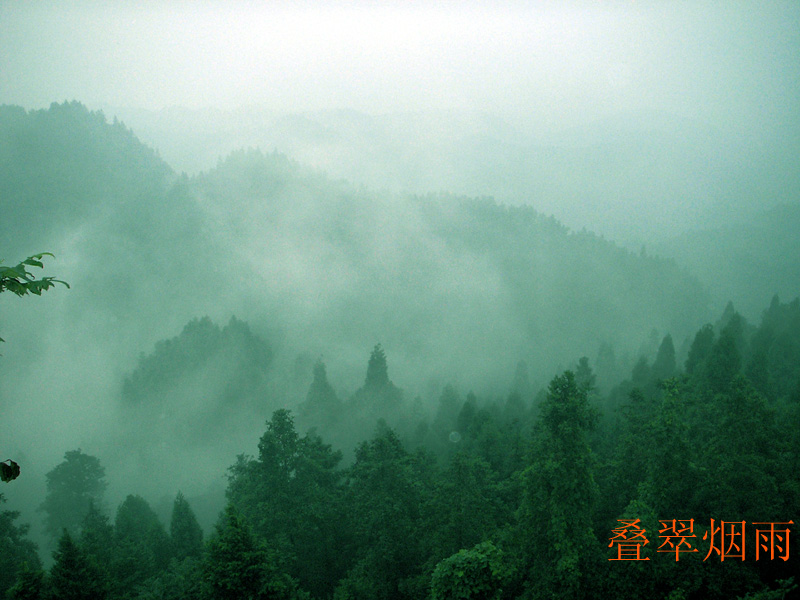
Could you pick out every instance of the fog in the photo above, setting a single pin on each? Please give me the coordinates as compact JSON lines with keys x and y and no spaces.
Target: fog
{"x":235,"y":191}
{"x":547,"y":64}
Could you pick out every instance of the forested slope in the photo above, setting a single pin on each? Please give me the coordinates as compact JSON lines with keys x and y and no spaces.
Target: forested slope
{"x":660,"y":487}
{"x":439,"y":279}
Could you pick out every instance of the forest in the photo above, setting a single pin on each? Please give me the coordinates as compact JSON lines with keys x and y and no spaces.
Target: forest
{"x":429,"y":396}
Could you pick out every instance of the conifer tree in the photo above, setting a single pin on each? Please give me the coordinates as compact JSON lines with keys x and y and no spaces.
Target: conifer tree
{"x":237,"y":567}
{"x":30,"y":585}
{"x":97,"y":540}
{"x":664,"y":365}
{"x":16,"y":551}
{"x":73,"y":577}
{"x":559,"y":495}
{"x":186,"y":536}
{"x":321,"y":403}
{"x":142,"y":546}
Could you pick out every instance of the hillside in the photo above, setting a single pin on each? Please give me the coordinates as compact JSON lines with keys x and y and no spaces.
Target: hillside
{"x":451,"y":284}
{"x":632,"y":176}
{"x":468,"y":284}
{"x":747,"y":262}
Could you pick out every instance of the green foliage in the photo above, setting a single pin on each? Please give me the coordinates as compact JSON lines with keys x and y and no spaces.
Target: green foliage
{"x":321,"y":406}
{"x":142,"y":544}
{"x":468,"y":505}
{"x":183,"y":580}
{"x":377,"y":369}
{"x":785,"y":586}
{"x":71,"y":487}
{"x":701,"y":346}
{"x":18,"y":280}
{"x":742,"y":454}
{"x":237,"y":567}
{"x":97,"y":543}
{"x":200,"y":348}
{"x":664,"y":364}
{"x":186,"y":536}
{"x":291,"y":495}
{"x":30,"y":585}
{"x":724,"y":361}
{"x":475,"y":574}
{"x":73,"y":576}
{"x":16,"y":551}
{"x":378,"y":397}
{"x":559,"y":494}
{"x":388,"y":493}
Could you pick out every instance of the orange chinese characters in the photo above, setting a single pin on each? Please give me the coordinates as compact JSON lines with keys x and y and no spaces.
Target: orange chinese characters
{"x":629,"y":539}
{"x":731,"y":540}
{"x":770,"y":539}
{"x":674,"y":533}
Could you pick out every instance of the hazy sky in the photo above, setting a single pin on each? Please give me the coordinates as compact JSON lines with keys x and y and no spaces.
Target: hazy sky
{"x":730,"y":63}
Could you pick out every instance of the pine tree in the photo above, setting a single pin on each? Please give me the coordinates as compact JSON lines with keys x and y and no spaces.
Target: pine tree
{"x":322,"y":406}
{"x":97,"y":541}
{"x":377,"y":369}
{"x":30,"y":585}
{"x":378,"y":397}
{"x":664,"y":365}
{"x":701,"y":346}
{"x":291,"y":495}
{"x":234,"y":567}
{"x":73,"y":576}
{"x":186,"y":536}
{"x":559,"y":495}
{"x":142,"y":546}
{"x":16,"y":551}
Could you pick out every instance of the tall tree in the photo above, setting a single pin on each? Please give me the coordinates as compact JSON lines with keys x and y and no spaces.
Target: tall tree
{"x":700,"y":348}
{"x":378,"y":397}
{"x":186,"y":536}
{"x":388,"y":493}
{"x":292,"y":497}
{"x":71,"y":487}
{"x":97,"y":541}
{"x":142,"y":546}
{"x":72,"y":576}
{"x":322,"y":406}
{"x":237,"y":567}
{"x":477,"y":574}
{"x":16,"y":550}
{"x":664,"y":365}
{"x":556,"y":512}
{"x":30,"y":585}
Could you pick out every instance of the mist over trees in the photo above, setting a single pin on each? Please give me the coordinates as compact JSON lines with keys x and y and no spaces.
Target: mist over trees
{"x":291,"y":386}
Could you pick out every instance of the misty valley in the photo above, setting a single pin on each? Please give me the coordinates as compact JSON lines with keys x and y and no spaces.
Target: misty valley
{"x":269,"y":380}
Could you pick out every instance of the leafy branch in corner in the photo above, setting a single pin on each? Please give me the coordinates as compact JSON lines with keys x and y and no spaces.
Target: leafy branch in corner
{"x":20,"y":281}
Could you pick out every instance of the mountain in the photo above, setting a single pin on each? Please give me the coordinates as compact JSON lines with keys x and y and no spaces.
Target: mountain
{"x":631,"y":176}
{"x":456,"y":285}
{"x":455,"y":289}
{"x":747,"y":262}
{"x":448,"y":284}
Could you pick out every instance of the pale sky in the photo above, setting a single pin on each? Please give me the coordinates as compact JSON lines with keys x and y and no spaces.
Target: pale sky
{"x":735,"y":64}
